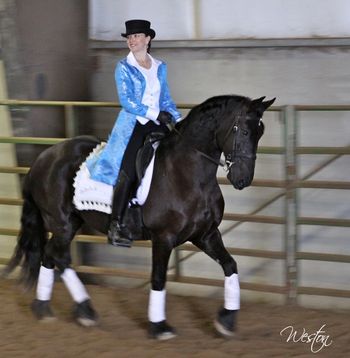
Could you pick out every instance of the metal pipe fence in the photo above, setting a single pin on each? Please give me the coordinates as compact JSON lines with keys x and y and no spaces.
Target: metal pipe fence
{"x":289,"y":187}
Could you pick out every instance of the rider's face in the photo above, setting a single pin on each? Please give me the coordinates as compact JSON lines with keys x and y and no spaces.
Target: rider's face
{"x":138,"y":42}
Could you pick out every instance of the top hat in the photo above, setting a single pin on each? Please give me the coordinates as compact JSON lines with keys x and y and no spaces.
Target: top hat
{"x":138,"y":27}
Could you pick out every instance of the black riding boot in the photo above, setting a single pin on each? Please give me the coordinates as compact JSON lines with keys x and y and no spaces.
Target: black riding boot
{"x":118,"y":233}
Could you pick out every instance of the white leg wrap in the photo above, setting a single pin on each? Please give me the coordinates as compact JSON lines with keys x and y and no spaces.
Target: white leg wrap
{"x":232,"y":293}
{"x":74,"y":285}
{"x":45,"y":284}
{"x":156,"y":307}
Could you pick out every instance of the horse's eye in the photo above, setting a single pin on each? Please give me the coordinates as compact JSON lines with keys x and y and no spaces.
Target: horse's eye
{"x":245,"y":132}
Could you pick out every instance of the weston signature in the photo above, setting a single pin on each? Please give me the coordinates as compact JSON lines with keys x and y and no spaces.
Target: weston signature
{"x":317,"y":340}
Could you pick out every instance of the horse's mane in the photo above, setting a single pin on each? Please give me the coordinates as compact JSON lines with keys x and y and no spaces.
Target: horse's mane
{"x":206,"y":114}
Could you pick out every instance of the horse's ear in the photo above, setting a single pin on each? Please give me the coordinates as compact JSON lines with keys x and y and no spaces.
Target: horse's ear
{"x":257,"y":102}
{"x":259,"y":106}
{"x":267,"y":104}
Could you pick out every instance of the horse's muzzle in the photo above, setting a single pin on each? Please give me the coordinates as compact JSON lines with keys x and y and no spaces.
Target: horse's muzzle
{"x":241,"y":176}
{"x":240,"y":183}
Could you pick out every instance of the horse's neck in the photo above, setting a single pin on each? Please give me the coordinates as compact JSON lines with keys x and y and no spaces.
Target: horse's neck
{"x":201,"y":137}
{"x":184,"y":155}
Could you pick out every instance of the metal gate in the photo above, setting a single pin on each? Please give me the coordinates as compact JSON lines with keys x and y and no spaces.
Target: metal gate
{"x":289,"y":187}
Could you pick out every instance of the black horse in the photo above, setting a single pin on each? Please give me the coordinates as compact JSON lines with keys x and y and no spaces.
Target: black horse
{"x":184,"y":204}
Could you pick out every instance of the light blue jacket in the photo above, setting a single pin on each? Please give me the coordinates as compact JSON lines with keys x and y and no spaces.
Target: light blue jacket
{"x":131,"y":86}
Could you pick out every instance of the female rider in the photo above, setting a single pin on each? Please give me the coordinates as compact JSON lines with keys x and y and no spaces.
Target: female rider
{"x":146,"y":107}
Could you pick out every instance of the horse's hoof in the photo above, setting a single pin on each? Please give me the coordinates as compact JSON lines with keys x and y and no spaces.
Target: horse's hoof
{"x":161,"y":331}
{"x":84,"y":314}
{"x":42,"y":311}
{"x":120,"y":242}
{"x":222,"y":330}
{"x":225,"y":323}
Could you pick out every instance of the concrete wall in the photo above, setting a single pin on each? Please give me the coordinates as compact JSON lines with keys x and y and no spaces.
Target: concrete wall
{"x":9,"y":183}
{"x":296,"y":75}
{"x":45,"y":51}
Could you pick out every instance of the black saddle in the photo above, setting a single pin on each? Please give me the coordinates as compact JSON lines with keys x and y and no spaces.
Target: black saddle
{"x":133,"y":214}
{"x":145,"y":154}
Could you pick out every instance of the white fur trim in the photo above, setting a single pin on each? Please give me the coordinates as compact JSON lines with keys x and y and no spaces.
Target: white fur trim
{"x":232,"y":292}
{"x":74,"y":285}
{"x":156,"y":307}
{"x":45,"y":284}
{"x":93,"y":195}
{"x":90,"y":194}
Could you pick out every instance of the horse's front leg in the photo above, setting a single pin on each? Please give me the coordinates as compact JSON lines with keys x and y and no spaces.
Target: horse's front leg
{"x":213,"y":246}
{"x":158,"y":327}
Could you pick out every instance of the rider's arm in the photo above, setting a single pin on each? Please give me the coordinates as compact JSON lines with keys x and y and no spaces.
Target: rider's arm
{"x":130,"y":93}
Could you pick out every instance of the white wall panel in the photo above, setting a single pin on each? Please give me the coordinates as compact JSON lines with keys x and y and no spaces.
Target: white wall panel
{"x":171,"y":19}
{"x":223,"y":19}
{"x":274,"y":18}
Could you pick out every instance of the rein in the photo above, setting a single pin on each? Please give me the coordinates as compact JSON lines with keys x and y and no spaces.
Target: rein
{"x":220,"y":163}
{"x":225,"y":164}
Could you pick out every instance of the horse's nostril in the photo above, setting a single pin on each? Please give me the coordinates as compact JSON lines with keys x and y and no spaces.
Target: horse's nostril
{"x":241,"y":184}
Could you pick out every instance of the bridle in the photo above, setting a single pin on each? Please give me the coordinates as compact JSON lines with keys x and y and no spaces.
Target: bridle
{"x":230,"y":158}
{"x":236,"y":153}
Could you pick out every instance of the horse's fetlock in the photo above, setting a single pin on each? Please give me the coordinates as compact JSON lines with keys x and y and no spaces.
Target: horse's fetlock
{"x":42,"y":310}
{"x":161,"y":331}
{"x":230,"y":267}
{"x":225,"y":323}
{"x":85,"y":314}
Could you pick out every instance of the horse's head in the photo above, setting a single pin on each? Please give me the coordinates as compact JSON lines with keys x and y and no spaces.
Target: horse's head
{"x":240,"y":141}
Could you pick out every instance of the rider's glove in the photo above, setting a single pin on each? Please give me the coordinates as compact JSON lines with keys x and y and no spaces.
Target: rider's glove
{"x":165,"y":117}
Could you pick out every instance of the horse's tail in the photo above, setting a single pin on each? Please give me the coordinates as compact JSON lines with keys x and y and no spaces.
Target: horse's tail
{"x":31,"y":242}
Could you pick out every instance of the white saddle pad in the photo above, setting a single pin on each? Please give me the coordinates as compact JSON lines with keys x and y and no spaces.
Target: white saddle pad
{"x":90,"y":194}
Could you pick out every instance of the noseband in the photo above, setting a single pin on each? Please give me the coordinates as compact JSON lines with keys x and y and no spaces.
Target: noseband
{"x":236,"y":153}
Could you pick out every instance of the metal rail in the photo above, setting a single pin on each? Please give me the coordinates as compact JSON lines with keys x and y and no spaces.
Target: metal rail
{"x":291,"y":220}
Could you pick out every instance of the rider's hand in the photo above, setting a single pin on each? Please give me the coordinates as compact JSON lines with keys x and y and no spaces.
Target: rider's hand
{"x":165,"y":117}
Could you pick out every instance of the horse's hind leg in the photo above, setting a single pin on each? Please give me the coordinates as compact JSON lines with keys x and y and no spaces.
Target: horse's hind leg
{"x":41,"y":305}
{"x":57,"y":254}
{"x":213,"y":246}
{"x":83,"y":311}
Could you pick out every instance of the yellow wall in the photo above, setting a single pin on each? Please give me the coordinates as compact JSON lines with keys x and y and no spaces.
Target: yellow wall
{"x":9,"y":183}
